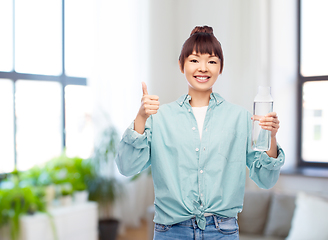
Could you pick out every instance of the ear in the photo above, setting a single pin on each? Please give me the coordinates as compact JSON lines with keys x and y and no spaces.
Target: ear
{"x":180,"y":67}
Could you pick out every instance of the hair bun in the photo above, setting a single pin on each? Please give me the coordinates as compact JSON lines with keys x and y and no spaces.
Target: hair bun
{"x":203,"y":29}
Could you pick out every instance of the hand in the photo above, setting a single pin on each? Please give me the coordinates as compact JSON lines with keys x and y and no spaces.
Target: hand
{"x":149,"y":103}
{"x":268,"y":122}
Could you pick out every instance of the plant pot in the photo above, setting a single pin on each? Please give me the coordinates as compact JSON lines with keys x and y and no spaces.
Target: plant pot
{"x":81,"y":196}
{"x":50,"y":195}
{"x":5,"y":232}
{"x":108,"y":229}
{"x":66,"y":200}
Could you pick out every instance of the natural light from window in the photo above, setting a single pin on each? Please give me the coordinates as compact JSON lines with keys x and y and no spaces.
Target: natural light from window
{"x":7,"y":160}
{"x":39,"y":122}
{"x":6,"y":37}
{"x":38,"y":37}
{"x":315,"y":121}
{"x":78,"y":37}
{"x":31,"y":43}
{"x":314,"y":37}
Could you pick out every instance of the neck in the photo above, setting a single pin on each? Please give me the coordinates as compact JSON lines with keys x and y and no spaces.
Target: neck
{"x":198,"y":98}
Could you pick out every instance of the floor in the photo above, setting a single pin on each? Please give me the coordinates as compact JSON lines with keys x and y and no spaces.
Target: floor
{"x":135,"y":233}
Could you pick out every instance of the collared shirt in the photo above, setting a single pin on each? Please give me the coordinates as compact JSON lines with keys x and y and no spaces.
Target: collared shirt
{"x":192,"y":176}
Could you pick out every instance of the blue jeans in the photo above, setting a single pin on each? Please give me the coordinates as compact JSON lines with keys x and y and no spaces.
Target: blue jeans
{"x":216,"y":228}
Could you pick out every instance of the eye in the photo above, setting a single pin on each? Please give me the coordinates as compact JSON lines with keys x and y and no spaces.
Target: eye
{"x":213,"y":62}
{"x":193,"y":60}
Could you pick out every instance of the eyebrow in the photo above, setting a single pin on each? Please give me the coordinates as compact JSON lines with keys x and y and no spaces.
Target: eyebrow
{"x":197,"y":55}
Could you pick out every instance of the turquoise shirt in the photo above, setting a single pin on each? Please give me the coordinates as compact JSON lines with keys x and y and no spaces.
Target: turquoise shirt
{"x":192,"y":176}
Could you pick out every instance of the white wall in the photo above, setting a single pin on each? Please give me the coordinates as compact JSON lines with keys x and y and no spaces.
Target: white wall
{"x":120,"y":65}
{"x":120,"y":60}
{"x":283,"y":66}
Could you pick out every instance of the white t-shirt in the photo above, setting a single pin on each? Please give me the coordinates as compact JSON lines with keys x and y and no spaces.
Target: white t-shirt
{"x":200,"y":113}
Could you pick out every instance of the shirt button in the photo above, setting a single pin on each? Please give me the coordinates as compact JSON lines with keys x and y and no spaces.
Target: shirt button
{"x":188,"y":110}
{"x":204,"y":149}
{"x":181,"y":103}
{"x":193,"y":128}
{"x":201,"y":171}
{"x":197,"y":149}
{"x":201,"y":194}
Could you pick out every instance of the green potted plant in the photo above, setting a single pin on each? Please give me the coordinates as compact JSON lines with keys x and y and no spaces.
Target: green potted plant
{"x":17,"y":201}
{"x":66,"y":193}
{"x":76,"y":172}
{"x":84,"y":173}
{"x":81,"y":193}
{"x":104,"y":187}
{"x":38,"y":176}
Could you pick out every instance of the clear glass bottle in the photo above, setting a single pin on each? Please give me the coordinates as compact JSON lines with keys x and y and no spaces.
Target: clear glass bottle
{"x":263,"y":104}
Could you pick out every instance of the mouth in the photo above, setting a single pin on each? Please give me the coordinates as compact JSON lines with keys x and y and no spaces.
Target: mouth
{"x":202,"y":79}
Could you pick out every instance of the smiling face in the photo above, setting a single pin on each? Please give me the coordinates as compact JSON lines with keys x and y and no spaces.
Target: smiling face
{"x":201,"y":71}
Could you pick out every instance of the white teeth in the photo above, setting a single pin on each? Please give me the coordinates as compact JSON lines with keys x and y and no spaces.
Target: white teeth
{"x":202,"y":78}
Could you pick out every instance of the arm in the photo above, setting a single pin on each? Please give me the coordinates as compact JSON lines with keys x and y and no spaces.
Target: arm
{"x":139,"y":124}
{"x":134,"y":149}
{"x":265,"y":166}
{"x":273,"y":151}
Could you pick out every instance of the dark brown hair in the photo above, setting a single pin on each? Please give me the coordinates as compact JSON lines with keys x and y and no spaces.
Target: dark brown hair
{"x":201,"y":40}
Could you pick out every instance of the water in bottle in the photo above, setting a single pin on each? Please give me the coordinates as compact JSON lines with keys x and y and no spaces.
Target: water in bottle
{"x":263,"y":104}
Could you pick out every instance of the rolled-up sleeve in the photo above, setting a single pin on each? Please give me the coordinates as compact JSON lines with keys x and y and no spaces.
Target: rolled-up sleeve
{"x":263,"y":170}
{"x":133,"y":154}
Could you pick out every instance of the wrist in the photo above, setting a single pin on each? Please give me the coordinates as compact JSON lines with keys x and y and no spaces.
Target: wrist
{"x":141,"y":118}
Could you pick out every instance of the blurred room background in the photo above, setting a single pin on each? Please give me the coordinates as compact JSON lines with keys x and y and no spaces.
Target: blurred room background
{"x":72,"y":69}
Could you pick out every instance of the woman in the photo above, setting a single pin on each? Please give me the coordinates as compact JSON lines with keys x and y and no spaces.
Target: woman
{"x":198,"y":147}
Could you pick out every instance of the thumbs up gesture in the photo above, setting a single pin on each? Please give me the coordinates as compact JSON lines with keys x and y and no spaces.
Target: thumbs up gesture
{"x":149,"y":103}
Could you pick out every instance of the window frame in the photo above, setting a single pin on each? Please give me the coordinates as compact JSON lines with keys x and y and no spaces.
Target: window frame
{"x":63,"y":79}
{"x":301,"y":80}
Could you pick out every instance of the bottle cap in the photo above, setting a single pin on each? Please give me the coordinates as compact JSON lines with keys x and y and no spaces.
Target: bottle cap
{"x":263,"y":94}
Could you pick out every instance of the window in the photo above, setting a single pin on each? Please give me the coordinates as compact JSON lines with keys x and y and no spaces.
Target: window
{"x":44,"y":100}
{"x":313,"y":83}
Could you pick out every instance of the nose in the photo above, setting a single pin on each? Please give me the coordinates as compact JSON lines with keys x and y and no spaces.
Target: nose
{"x":202,"y":67}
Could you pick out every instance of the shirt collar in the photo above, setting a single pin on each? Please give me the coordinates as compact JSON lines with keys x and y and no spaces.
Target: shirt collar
{"x":217,"y":98}
{"x":214,"y":97}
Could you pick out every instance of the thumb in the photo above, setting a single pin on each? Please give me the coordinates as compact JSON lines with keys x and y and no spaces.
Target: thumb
{"x":144,"y":88}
